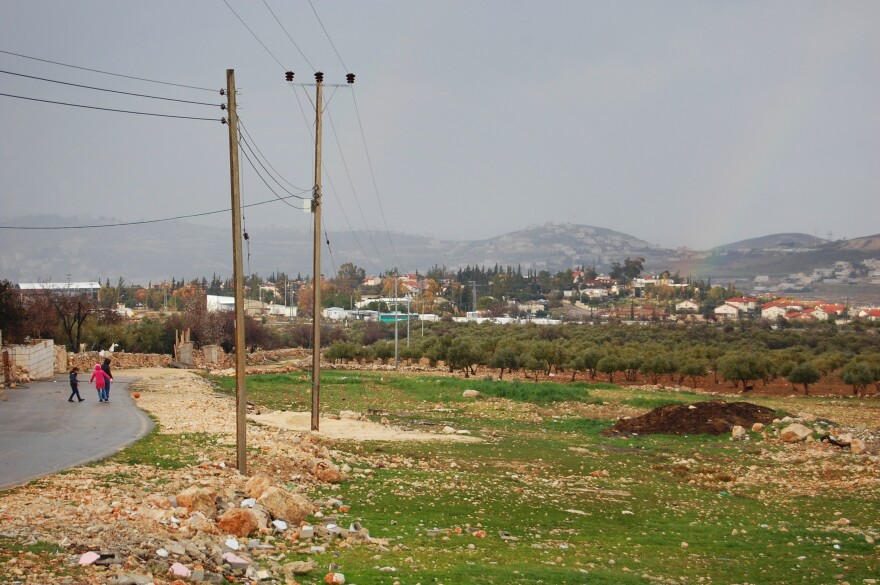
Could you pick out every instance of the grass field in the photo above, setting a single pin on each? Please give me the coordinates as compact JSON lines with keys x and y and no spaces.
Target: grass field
{"x":545,"y":498}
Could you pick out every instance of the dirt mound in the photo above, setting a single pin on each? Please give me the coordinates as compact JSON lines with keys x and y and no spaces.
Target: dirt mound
{"x":713,"y":418}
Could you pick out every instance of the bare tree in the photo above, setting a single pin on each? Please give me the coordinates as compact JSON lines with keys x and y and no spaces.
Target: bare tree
{"x":72,"y":312}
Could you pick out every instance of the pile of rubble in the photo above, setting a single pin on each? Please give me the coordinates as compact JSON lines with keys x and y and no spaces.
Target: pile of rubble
{"x":139,"y":524}
{"x":222,"y":526}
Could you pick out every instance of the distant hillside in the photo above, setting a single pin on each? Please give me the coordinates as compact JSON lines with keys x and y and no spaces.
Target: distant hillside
{"x":793,"y":241}
{"x":867,"y":244}
{"x":556,"y":247}
{"x":152,"y":252}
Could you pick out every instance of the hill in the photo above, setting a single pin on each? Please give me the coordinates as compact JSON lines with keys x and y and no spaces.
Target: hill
{"x":151,"y":252}
{"x":782,"y":242}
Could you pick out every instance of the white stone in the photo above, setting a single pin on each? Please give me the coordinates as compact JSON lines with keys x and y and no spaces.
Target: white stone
{"x":795,"y":433}
{"x":88,"y":558}
{"x":180,"y":570}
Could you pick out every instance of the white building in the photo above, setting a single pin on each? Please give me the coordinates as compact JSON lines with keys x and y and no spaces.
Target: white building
{"x":726,"y":311}
{"x":687,"y":307}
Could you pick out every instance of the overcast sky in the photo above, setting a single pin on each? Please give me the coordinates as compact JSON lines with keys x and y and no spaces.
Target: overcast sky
{"x":682,"y":123}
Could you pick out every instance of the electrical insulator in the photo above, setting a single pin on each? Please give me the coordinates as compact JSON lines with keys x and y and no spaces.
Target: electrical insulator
{"x":223,"y":121}
{"x":288,"y":75}
{"x":349,"y":77}
{"x":222,"y":92}
{"x":319,"y":76}
{"x":222,"y":106}
{"x":246,"y":236}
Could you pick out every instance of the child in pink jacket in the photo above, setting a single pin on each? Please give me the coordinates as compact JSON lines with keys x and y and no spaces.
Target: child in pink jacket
{"x":100,"y":378}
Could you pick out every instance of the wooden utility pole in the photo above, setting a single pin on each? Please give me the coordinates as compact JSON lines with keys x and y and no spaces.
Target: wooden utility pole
{"x":316,"y":284}
{"x":240,"y":386}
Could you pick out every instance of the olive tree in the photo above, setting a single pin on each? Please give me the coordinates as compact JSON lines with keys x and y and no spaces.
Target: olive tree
{"x":742,"y":367}
{"x":805,"y":373}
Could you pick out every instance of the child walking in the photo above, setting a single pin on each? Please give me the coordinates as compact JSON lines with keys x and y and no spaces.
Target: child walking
{"x":100,"y":380}
{"x":74,"y":386}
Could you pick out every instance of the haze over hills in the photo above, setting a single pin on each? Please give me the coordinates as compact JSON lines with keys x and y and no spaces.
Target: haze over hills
{"x":159,"y":251}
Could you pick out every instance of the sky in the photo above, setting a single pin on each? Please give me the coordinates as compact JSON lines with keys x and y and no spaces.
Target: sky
{"x":681,"y":123}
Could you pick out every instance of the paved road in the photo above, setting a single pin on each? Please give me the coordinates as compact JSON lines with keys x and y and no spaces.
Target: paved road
{"x":42,"y":433}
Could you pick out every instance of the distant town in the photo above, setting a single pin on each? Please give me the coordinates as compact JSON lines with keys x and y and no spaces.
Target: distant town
{"x":504,"y":295}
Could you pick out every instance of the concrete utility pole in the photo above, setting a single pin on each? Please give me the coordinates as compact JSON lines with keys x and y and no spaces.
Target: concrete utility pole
{"x":316,"y":304}
{"x":240,"y":384}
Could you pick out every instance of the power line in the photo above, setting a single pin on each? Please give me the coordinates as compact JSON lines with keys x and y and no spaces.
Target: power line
{"x":254,"y":35}
{"x":288,"y":36}
{"x":351,"y":183}
{"x":21,"y":97}
{"x":243,"y":127}
{"x":154,"y":97}
{"x":327,"y":35}
{"x":108,"y":72}
{"x":329,"y":249}
{"x":146,"y":221}
{"x":280,"y":198}
{"x":363,"y":136}
{"x":245,"y":142}
{"x":373,"y":176}
{"x":330,"y":180}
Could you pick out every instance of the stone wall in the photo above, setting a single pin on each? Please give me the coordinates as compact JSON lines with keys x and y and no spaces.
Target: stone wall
{"x":118,"y":360}
{"x":37,"y":358}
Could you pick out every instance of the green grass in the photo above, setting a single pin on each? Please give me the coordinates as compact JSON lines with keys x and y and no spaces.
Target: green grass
{"x":164,"y":450}
{"x":35,"y":559}
{"x":650,"y":403}
{"x":583,"y":508}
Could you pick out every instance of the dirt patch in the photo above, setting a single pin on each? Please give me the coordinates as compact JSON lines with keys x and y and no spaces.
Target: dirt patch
{"x":713,"y":418}
{"x":357,"y":430}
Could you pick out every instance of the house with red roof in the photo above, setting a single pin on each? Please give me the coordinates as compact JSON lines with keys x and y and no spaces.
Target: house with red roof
{"x":743,"y":303}
{"x":871,"y":314}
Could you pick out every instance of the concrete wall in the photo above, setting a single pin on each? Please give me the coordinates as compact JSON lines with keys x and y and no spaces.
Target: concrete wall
{"x":38,"y":358}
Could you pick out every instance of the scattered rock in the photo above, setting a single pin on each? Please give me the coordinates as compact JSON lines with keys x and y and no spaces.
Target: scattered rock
{"x":290,"y":507}
{"x":199,"y":499}
{"x":857,"y":447}
{"x":240,"y":522}
{"x":738,"y":433}
{"x":795,"y":433}
{"x":471,"y":394}
{"x":326,"y":471}
{"x":88,"y":558}
{"x":256,"y":485}
{"x":180,"y":570}
{"x":299,"y":567}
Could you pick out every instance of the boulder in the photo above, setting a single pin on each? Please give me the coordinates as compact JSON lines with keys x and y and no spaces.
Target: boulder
{"x":290,"y":507}
{"x":738,"y":433}
{"x":471,"y":394}
{"x":240,"y":522}
{"x":757,"y":427}
{"x":256,"y":485}
{"x":326,"y":471}
{"x":200,"y":523}
{"x":199,"y":499}
{"x":795,"y":433}
{"x":299,"y":567}
{"x":857,"y":446}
